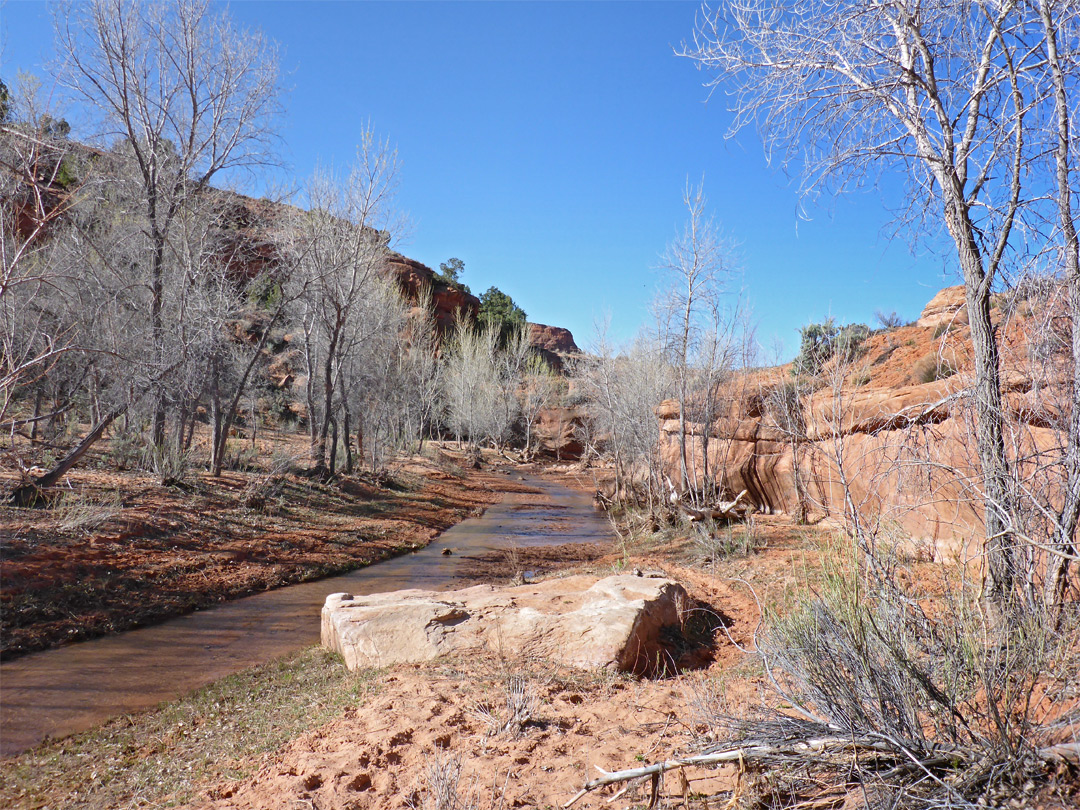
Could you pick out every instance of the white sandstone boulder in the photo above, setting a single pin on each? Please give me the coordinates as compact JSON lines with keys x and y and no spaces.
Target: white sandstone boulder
{"x":616,"y":622}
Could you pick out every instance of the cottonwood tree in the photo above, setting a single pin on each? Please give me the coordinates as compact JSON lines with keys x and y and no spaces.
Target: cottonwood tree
{"x":1060,"y":28}
{"x":373,"y":377}
{"x":482,"y":379}
{"x":621,"y":389}
{"x":189,"y":96}
{"x":538,"y":390}
{"x":512,"y":361}
{"x":471,"y":385}
{"x":39,"y":187}
{"x":232,"y":322}
{"x":694,"y":326}
{"x":959,"y":100}
{"x":420,"y":368}
{"x":336,"y":251}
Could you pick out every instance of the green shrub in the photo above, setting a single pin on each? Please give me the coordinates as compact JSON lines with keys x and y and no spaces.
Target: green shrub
{"x":125,"y":450}
{"x":932,"y":368}
{"x":820,"y":342}
{"x":171,"y":466}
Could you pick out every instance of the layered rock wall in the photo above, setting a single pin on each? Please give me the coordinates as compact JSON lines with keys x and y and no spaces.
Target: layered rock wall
{"x":893,"y":432}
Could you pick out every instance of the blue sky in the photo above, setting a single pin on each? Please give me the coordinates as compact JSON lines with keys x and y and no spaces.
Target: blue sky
{"x":547,"y":146}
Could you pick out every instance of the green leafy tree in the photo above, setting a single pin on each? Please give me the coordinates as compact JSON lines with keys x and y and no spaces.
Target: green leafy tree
{"x":822,"y":341}
{"x":816,"y":347}
{"x":450,"y":271}
{"x":498,"y":310}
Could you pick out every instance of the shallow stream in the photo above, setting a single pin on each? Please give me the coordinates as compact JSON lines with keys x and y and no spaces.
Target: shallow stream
{"x":69,"y":689}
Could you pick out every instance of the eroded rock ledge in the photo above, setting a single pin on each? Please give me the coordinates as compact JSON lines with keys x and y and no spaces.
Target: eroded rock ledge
{"x":618,"y":622}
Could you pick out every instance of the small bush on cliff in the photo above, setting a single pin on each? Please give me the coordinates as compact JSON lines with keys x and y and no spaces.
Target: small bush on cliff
{"x":450,"y":271}
{"x":823,"y":341}
{"x":932,"y":368}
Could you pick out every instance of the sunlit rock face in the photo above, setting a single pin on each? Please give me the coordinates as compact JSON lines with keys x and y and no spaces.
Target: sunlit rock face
{"x":892,"y":428}
{"x":619,"y":622}
{"x":446,"y":301}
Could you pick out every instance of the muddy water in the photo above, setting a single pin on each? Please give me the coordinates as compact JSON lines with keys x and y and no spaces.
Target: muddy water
{"x":69,"y":689}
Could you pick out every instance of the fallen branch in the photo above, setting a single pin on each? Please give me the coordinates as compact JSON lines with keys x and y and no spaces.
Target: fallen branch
{"x":722,"y":511}
{"x":809,"y":748}
{"x":815,"y":748}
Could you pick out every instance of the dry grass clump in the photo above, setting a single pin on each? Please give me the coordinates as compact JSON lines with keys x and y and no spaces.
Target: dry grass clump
{"x":520,"y":704}
{"x":931,"y":368}
{"x":76,"y":511}
{"x":715,"y":541}
{"x":442,"y":788}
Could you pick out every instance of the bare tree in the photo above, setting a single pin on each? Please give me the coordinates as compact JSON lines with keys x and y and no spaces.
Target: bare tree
{"x":538,"y":389}
{"x":471,"y":389}
{"x":420,"y":368}
{"x":512,"y":359}
{"x":38,"y":188}
{"x":693,"y":322}
{"x":621,"y":390}
{"x":1060,"y":23}
{"x":373,"y":376}
{"x":946,"y":95}
{"x":189,"y":95}
{"x":337,"y":250}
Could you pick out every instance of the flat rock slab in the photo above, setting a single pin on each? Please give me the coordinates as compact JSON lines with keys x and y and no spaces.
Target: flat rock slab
{"x":618,"y":622}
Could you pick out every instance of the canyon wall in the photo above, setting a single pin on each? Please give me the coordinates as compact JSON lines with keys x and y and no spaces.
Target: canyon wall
{"x":892,"y":430}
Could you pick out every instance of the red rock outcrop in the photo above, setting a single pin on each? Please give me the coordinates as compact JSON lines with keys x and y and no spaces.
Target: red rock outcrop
{"x":895,"y":428}
{"x":553,"y":338}
{"x":553,"y":343}
{"x":557,"y":431}
{"x":446,"y":301}
{"x":947,"y":307}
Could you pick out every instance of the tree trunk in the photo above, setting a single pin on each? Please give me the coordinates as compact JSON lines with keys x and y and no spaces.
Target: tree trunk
{"x":230,"y":411}
{"x":95,"y":395}
{"x":219,"y":434}
{"x":345,"y":424}
{"x":1057,"y":579}
{"x":191,"y":423}
{"x":187,"y":410}
{"x":333,"y":446}
{"x":37,"y":413}
{"x":999,"y":575}
{"x":30,"y":494}
{"x":360,"y":439}
{"x":157,"y":330}
{"x":328,"y":404}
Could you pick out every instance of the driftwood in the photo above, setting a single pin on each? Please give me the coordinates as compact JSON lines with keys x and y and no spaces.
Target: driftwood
{"x":723,"y":510}
{"x":740,"y":754}
{"x":808,"y":749}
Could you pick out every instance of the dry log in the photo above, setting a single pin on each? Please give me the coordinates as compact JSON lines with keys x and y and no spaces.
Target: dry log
{"x":809,"y":750}
{"x":724,"y":510}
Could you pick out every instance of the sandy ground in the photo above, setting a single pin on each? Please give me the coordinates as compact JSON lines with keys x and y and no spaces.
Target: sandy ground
{"x":428,"y":727}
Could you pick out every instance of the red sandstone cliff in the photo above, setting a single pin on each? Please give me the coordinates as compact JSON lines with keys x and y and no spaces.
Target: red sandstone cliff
{"x":446,"y":301}
{"x":895,"y":425}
